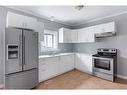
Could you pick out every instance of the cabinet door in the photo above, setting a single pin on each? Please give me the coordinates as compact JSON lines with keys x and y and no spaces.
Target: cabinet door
{"x":67,"y":63}
{"x":30,"y":22}
{"x":14,"y":20}
{"x":21,"y":21}
{"x":74,"y":36}
{"x":42,"y":70}
{"x":48,"y":68}
{"x":81,"y":35}
{"x":39,"y":27}
{"x":84,"y":63}
{"x":67,"y":35}
{"x":52,"y":66}
{"x":86,"y":35}
{"x":107,"y":27}
{"x":90,"y":35}
{"x":64,"y":35}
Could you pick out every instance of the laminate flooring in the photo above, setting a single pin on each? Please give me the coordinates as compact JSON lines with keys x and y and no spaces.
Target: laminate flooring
{"x":80,"y":80}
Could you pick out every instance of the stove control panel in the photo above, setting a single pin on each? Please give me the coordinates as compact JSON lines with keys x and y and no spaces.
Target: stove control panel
{"x":107,"y":50}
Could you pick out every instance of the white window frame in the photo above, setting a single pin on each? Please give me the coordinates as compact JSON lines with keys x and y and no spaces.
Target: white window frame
{"x":55,"y":41}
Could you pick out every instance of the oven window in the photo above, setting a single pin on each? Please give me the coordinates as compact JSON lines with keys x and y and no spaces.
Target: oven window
{"x":102,"y":64}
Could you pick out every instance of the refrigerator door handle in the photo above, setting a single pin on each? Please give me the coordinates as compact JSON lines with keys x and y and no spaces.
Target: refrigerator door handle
{"x":23,"y":50}
{"x":20,"y":49}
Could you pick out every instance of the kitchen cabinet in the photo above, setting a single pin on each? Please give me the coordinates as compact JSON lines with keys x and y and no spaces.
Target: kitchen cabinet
{"x":21,"y":21}
{"x":74,"y":36}
{"x":56,"y":65}
{"x":64,"y":35}
{"x":48,"y":68}
{"x":86,"y":35}
{"x":106,"y":27}
{"x":83,"y":62}
{"x":39,"y":27}
{"x":66,"y":63}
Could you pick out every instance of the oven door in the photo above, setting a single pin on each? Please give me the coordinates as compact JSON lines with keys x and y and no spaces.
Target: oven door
{"x":104,"y":65}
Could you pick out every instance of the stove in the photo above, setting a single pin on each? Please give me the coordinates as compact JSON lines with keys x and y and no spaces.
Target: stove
{"x":105,"y":63}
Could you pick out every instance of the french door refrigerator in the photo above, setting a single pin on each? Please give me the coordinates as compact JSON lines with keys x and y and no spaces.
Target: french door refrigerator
{"x":21,"y":63}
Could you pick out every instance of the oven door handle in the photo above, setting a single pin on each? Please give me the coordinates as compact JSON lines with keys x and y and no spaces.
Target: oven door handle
{"x":102,"y":58}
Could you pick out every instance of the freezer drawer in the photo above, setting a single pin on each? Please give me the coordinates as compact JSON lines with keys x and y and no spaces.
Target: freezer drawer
{"x":22,"y":80}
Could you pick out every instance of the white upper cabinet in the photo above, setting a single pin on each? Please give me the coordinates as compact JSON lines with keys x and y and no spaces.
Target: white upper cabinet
{"x":102,"y":28}
{"x":39,"y":27}
{"x":74,"y":36}
{"x":64,"y":35}
{"x":86,"y":35}
{"x":21,"y":21}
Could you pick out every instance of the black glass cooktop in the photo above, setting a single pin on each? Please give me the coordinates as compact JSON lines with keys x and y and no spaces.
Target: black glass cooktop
{"x":104,"y":56}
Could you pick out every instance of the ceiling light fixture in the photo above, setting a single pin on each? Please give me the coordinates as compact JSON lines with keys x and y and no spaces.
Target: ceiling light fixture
{"x":79,"y":7}
{"x":52,"y":18}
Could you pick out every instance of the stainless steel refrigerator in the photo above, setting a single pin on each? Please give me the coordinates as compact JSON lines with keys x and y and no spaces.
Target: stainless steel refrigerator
{"x":21,"y":63}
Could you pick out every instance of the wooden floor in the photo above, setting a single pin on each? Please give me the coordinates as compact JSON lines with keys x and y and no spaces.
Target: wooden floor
{"x":79,"y":80}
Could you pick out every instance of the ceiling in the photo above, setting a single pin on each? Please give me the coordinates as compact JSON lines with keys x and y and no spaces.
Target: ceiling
{"x":69,"y":15}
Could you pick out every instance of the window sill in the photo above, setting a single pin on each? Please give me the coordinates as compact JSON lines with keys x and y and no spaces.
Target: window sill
{"x":50,"y":50}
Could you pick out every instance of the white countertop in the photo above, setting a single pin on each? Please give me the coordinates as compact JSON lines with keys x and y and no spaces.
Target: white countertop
{"x":55,"y":55}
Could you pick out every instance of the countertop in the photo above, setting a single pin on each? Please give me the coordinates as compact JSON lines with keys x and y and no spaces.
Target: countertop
{"x":55,"y":55}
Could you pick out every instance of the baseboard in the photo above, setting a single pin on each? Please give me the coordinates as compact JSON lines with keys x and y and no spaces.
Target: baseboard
{"x":1,"y":86}
{"x":122,"y":77}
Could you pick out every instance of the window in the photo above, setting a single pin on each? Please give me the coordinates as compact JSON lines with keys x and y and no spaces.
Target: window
{"x":50,"y":41}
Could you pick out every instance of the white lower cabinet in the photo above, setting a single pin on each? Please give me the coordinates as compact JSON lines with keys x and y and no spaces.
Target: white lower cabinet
{"x":66,"y":63}
{"x":83,"y":62}
{"x":53,"y":66}
{"x":48,"y":68}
